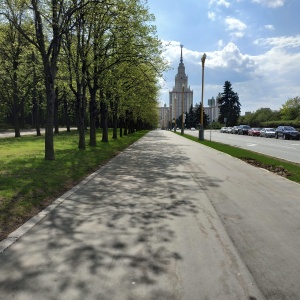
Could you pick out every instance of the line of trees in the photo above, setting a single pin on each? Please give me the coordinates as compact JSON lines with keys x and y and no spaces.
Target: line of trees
{"x":288,"y":114}
{"x":230,"y":109}
{"x":88,"y":63}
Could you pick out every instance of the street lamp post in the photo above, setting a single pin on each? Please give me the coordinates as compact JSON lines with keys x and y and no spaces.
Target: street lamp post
{"x":182,"y":123}
{"x":175,"y":125}
{"x":201,"y":130}
{"x":170,"y":118}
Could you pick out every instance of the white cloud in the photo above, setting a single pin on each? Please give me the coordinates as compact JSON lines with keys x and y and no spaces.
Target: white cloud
{"x":269,"y":27}
{"x":237,"y":34}
{"x":234,"y":24}
{"x":220,"y":44}
{"x":265,"y":80}
{"x":230,"y":57}
{"x":270,"y":3}
{"x":211,"y":15}
{"x":280,"y":42}
{"x":219,"y":3}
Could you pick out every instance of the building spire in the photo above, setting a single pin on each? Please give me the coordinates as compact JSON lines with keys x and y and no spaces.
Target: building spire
{"x":181,"y":60}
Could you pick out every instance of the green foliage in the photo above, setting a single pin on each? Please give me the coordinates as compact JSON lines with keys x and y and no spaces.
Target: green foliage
{"x":291,"y":109}
{"x":293,"y":123}
{"x":230,"y":107}
{"x":109,"y":54}
{"x":193,"y":117}
{"x":256,"y":119}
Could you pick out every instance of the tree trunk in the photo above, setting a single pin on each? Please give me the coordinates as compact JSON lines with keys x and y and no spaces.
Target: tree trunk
{"x":56,"y":130}
{"x":66,"y":113}
{"x":121,"y":127}
{"x":36,"y":118}
{"x":81,"y":116}
{"x":104,"y":119}
{"x":16,"y":124}
{"x":35,"y":105}
{"x":115,"y":120}
{"x":16,"y":107}
{"x":126,"y":126}
{"x":93,"y":114}
{"x":49,"y":136}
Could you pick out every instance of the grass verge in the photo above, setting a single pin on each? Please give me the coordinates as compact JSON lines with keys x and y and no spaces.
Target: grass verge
{"x":29,"y":183}
{"x":281,"y":167}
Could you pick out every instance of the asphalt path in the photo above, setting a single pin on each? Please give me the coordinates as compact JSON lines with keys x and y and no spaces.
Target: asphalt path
{"x":168,"y":218}
{"x":11,"y":133}
{"x":284,"y":149}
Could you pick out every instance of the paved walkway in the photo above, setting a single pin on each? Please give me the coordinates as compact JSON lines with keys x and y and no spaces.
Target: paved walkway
{"x":23,"y":132}
{"x":141,"y":227}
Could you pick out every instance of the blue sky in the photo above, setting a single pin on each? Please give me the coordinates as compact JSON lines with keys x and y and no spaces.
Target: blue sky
{"x":254,"y":44}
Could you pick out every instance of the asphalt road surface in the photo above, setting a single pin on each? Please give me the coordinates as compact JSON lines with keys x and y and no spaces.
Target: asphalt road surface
{"x":11,"y":133}
{"x":166,"y":219}
{"x":284,"y":149}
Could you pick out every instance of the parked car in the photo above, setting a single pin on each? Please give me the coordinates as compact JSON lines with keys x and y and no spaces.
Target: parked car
{"x":235,"y":129}
{"x":287,"y":133}
{"x":193,"y":128}
{"x":243,"y":129}
{"x":223,"y":129}
{"x":267,"y":132}
{"x":254,"y":131}
{"x":228,"y":129}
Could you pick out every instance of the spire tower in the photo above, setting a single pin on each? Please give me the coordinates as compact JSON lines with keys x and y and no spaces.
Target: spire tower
{"x":181,"y":59}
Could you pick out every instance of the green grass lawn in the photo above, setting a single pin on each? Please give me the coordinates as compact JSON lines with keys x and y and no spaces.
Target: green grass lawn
{"x":28,"y":183}
{"x":284,"y":168}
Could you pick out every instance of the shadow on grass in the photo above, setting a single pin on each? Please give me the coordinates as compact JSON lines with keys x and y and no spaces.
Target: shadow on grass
{"x":29,"y":183}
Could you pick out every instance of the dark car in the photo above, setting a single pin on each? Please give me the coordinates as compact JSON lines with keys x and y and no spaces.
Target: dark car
{"x":243,"y":129}
{"x":287,"y":133}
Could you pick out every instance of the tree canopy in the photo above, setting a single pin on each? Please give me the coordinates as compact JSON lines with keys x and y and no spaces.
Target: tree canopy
{"x":100,"y":63}
{"x":230,"y":107}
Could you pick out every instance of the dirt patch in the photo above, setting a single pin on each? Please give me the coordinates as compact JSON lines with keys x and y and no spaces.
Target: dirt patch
{"x":279,"y":170}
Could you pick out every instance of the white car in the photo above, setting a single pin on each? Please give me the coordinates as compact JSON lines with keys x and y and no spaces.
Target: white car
{"x":268,"y":132}
{"x":193,"y":128}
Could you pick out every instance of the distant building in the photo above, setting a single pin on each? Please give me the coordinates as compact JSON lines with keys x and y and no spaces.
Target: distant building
{"x":163,"y":117}
{"x":179,"y":94}
{"x":212,"y":111}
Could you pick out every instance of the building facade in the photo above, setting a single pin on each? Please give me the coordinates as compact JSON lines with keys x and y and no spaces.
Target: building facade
{"x":181,"y":96}
{"x":212,"y":110}
{"x":164,"y":116}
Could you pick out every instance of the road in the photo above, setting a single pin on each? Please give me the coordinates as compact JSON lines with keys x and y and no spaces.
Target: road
{"x":11,"y":133}
{"x":284,"y":149}
{"x":168,"y":218}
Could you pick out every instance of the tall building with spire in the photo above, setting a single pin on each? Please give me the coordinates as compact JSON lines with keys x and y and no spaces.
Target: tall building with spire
{"x":181,"y":92}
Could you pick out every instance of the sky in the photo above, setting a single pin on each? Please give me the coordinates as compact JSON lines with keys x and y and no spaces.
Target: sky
{"x":254,"y":44}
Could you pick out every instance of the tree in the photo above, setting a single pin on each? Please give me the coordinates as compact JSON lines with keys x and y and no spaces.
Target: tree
{"x":230,"y":107}
{"x":50,"y":21}
{"x":291,"y":109}
{"x":191,"y":118}
{"x":15,"y":80}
